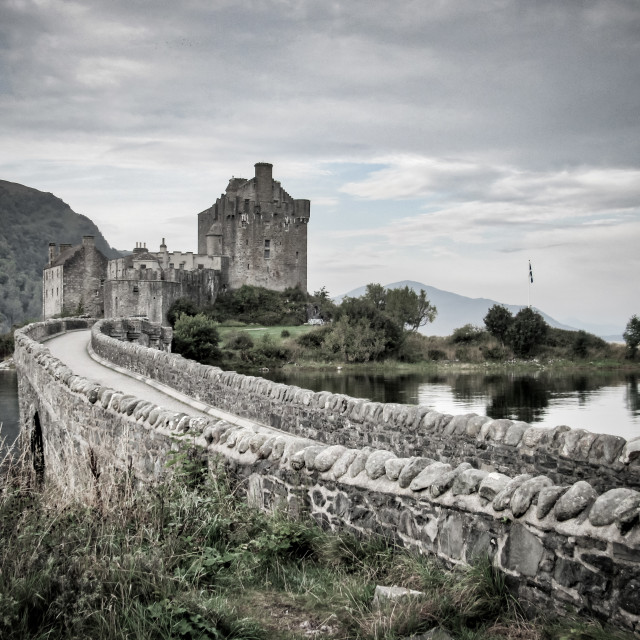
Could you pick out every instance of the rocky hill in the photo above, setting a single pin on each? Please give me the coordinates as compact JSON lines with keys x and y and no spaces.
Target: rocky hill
{"x":29,"y":220}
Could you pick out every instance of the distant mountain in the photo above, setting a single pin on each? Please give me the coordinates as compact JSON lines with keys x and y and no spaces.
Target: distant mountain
{"x":29,"y":221}
{"x":453,"y":310}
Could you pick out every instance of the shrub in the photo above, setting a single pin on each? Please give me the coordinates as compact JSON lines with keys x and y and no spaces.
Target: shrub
{"x":285,"y":333}
{"x":240,"y":341}
{"x":196,"y":337}
{"x":436,"y":354}
{"x":467,"y":334}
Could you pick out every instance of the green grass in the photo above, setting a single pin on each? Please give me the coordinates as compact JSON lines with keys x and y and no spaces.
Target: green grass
{"x":257,"y":331}
{"x":190,"y":559}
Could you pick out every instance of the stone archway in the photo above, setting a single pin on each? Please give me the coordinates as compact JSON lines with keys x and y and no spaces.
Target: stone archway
{"x":37,"y":448}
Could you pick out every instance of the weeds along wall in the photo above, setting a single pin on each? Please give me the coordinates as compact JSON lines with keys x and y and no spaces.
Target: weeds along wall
{"x":563,"y":454}
{"x":560,"y":545}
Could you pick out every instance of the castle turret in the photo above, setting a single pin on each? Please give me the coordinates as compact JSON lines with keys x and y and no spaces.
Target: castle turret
{"x":264,"y":181}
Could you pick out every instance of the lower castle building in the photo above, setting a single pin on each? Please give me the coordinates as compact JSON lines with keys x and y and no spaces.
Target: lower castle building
{"x":255,"y":234}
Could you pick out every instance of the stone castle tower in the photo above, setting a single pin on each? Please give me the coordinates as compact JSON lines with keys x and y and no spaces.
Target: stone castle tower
{"x":261,"y":229}
{"x":255,"y":233}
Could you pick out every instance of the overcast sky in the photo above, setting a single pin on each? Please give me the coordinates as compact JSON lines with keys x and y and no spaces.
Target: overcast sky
{"x":441,"y":141}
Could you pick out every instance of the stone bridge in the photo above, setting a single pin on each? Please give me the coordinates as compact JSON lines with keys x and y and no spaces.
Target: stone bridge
{"x":557,"y":510}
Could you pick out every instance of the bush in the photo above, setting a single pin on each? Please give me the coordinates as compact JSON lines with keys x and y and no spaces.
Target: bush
{"x":467,"y":334}
{"x":436,"y":354}
{"x":285,"y":333}
{"x":196,"y":337}
{"x":240,"y":341}
{"x":314,"y":339}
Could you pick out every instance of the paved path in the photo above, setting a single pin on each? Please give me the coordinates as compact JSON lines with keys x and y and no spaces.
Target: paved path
{"x":72,"y":348}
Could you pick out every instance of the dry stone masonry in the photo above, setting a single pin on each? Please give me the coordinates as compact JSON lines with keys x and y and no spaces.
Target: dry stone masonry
{"x":556,"y":510}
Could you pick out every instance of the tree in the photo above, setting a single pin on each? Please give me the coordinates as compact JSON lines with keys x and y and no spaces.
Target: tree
{"x":497,"y":321}
{"x":631,"y":335}
{"x":527,"y":331}
{"x":410,"y":309}
{"x":355,"y":340}
{"x":377,"y":294}
{"x":196,"y":337}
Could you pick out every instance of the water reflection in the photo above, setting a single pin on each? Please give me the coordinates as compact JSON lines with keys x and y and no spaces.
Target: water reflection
{"x":606,"y":402}
{"x":9,"y":411}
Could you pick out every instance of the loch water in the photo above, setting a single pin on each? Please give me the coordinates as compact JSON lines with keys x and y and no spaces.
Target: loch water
{"x":9,"y":411}
{"x":600,"y":402}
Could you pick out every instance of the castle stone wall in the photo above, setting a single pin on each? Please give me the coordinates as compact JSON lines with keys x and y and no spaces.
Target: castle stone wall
{"x":559,"y":545}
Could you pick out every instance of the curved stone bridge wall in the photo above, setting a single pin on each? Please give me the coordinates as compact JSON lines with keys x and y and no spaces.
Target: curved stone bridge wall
{"x":563,"y":454}
{"x":559,"y":544}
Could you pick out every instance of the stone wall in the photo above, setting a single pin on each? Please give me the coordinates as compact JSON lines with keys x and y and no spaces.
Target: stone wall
{"x":563,"y":454}
{"x":560,"y":545}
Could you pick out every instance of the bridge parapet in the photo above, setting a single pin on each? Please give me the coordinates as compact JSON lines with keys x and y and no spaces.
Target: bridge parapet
{"x":560,"y":544}
{"x":563,"y":454}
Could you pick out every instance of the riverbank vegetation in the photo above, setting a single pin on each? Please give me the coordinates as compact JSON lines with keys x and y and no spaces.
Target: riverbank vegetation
{"x":256,"y":328}
{"x":188,"y":558}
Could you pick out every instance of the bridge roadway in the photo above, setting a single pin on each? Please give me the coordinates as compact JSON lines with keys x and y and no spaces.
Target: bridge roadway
{"x":74,"y":349}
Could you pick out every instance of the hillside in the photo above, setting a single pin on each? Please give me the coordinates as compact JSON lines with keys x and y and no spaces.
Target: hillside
{"x":29,"y":220}
{"x":454,"y":310}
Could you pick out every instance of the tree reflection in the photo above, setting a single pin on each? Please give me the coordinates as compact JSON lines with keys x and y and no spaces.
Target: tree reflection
{"x":632,"y":395}
{"x":523,"y":398}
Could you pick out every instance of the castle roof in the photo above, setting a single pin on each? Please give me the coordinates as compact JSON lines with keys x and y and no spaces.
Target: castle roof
{"x":65,"y":255}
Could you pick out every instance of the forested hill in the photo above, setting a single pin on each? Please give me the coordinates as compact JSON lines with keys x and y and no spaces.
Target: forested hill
{"x":29,"y":220}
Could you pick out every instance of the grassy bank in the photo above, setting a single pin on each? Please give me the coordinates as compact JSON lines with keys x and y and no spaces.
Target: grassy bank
{"x":244,"y":346}
{"x":189,"y":559}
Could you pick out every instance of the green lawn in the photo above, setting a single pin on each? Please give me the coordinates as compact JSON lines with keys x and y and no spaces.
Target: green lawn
{"x":274,"y":332}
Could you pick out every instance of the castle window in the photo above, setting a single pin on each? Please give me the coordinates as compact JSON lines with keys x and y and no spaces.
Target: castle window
{"x":135,"y":288}
{"x":182,"y":265}
{"x":143,"y":266}
{"x":267,"y":248}
{"x":171,"y":265}
{"x":297,"y":254}
{"x":200,"y":266}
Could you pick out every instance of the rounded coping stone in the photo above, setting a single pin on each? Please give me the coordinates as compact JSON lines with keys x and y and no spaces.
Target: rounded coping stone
{"x":547,"y":498}
{"x":503,"y":499}
{"x":375,"y":464}
{"x":412,"y":469}
{"x":343,"y":463}
{"x":526,"y":494}
{"x":576,"y":499}
{"x":631,"y":451}
{"x":627,"y":512}
{"x":393,"y":467}
{"x":492,"y":484}
{"x":468,"y":481}
{"x":310,"y":454}
{"x":358,"y":464}
{"x":327,"y":458}
{"x":603,"y":509}
{"x":429,"y":475}
{"x":266,"y":448}
{"x":444,"y":482}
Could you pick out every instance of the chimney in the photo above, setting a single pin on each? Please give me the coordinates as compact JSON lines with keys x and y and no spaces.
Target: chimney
{"x":52,"y":252}
{"x":139,"y":248}
{"x":88,"y":241}
{"x":64,"y":247}
{"x":264,"y":180}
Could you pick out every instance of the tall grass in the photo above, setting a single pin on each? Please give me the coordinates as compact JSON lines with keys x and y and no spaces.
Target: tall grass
{"x":190,"y":559}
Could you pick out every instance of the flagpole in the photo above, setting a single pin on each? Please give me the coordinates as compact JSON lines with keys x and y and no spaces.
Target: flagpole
{"x":530,"y":278}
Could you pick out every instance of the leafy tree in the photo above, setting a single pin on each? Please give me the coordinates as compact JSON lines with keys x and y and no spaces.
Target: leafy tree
{"x":527,"y":331}
{"x":377,"y":294}
{"x":196,"y":337}
{"x":409,"y":308}
{"x":355,"y":340}
{"x":631,"y":335}
{"x":580,"y":346}
{"x":466,"y":334}
{"x":380,"y":322}
{"x":497,"y":321}
{"x":180,"y":306}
